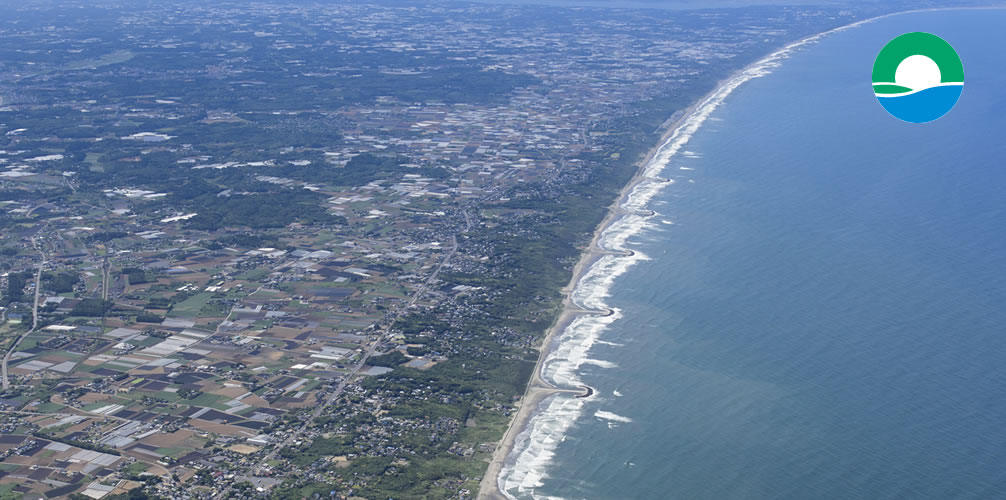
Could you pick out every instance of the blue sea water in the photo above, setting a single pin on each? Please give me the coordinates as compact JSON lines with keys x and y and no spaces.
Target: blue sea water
{"x":923,"y":106}
{"x":823,"y":311}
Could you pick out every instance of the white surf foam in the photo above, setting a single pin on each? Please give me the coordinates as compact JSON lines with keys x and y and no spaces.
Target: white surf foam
{"x":600,"y":362}
{"x":607,"y":415}
{"x":537,"y":443}
{"x":534,"y":449}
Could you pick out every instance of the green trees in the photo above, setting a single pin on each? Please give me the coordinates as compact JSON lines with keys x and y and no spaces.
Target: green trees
{"x":15,"y":288}
{"x":136,"y":276}
{"x":390,"y":360}
{"x":92,"y":307}
{"x":59,"y":282}
{"x":260,"y":211}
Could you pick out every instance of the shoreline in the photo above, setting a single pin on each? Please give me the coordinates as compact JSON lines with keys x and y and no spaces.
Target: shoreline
{"x":538,"y":389}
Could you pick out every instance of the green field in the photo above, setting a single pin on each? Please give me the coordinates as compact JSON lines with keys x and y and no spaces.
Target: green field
{"x":190,"y":307}
{"x":254,"y":274}
{"x":207,"y":400}
{"x":49,"y":407}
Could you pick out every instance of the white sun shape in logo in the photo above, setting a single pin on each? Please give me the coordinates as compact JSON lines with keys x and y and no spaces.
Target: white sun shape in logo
{"x":917,"y":72}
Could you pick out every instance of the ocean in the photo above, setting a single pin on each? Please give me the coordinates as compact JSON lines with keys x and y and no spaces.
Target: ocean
{"x":818,"y":308}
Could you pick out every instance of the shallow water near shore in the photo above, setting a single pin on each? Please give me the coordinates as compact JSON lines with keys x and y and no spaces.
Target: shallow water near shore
{"x":815,"y":310}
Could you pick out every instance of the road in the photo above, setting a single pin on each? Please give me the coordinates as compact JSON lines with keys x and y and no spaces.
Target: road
{"x":34,"y":324}
{"x":105,"y":283}
{"x":363,"y":361}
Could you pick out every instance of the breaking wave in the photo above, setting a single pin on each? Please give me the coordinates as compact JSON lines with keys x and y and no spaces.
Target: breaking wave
{"x":607,"y":415}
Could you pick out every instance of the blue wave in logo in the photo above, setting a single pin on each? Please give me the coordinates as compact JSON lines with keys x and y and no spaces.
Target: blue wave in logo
{"x":924,"y":105}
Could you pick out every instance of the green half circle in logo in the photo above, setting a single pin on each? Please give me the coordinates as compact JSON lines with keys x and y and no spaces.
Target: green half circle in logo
{"x":918,"y":43}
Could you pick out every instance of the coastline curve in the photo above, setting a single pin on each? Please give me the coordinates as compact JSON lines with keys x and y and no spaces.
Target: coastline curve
{"x":529,"y":443}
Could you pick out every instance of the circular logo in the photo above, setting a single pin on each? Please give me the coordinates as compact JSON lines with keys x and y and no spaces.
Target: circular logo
{"x":918,"y":77}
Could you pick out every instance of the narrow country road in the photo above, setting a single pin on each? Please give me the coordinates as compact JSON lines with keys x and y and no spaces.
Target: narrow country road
{"x":34,"y":325}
